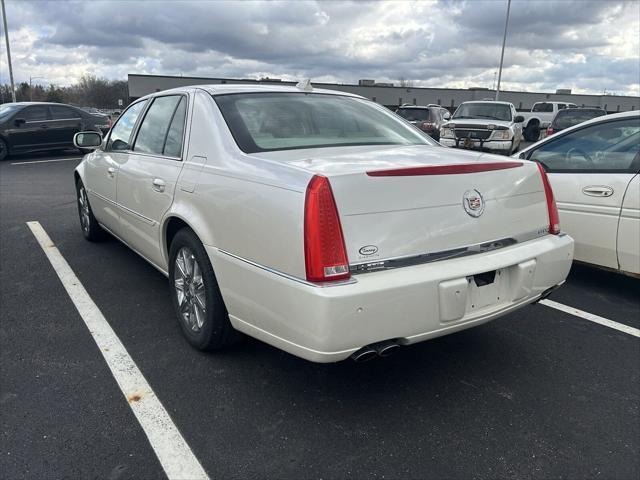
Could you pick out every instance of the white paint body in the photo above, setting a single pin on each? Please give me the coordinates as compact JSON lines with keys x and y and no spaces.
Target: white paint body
{"x":606,"y":229}
{"x":248,"y":211}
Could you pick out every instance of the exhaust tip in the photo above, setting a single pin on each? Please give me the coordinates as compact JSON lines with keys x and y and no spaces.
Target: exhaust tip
{"x":364,"y":354}
{"x":387,"y":349}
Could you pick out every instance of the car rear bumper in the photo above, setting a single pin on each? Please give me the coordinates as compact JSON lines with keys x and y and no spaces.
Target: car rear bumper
{"x":501,"y":146}
{"x":408,"y":305}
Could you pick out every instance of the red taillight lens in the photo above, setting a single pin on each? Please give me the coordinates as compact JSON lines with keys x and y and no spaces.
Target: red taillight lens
{"x":549,"y":131}
{"x":427,"y":125}
{"x":109,"y":122}
{"x":552,"y":208}
{"x":324,"y":251}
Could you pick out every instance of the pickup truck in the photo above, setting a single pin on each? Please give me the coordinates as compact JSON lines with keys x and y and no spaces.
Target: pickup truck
{"x":487,"y":126}
{"x":540,"y":117}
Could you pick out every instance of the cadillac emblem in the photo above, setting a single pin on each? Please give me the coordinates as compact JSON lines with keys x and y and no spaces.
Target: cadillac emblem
{"x":473,"y":203}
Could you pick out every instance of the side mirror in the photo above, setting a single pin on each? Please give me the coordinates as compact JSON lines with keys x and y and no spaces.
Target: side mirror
{"x":90,"y":140}
{"x":447,"y":116}
{"x":519,"y":119}
{"x":19,"y":122}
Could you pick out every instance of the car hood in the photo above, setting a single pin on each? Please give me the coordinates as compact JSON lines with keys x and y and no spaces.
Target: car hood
{"x":477,"y":122}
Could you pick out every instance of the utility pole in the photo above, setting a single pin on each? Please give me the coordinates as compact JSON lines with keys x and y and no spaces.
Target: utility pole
{"x":6,"y":38}
{"x":504,"y":41}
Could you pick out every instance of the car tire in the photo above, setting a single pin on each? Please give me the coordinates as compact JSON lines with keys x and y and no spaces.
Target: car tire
{"x":532,"y":133}
{"x":196,"y":297}
{"x":90,"y":227}
{"x":4,"y":150}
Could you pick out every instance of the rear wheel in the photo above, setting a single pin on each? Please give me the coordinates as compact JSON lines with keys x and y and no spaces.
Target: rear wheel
{"x":4,"y":150}
{"x":196,"y":296}
{"x":91,"y":230}
{"x":531,"y":133}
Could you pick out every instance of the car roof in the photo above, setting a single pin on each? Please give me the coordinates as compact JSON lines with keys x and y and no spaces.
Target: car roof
{"x":487,"y":101}
{"x":224,"y":89}
{"x":28,"y":104}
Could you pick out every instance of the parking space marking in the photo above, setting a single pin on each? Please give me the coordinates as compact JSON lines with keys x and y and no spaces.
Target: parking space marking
{"x":47,"y":161}
{"x":592,"y":318}
{"x":175,"y":456}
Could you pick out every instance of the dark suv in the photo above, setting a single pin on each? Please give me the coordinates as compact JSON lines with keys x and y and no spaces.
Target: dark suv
{"x":35,"y":126}
{"x":429,"y":119}
{"x":572,"y":116}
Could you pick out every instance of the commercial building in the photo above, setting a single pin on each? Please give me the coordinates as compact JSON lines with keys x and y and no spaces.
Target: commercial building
{"x":393,"y":96}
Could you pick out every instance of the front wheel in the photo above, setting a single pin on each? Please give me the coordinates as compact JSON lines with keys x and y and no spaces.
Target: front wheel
{"x":91,"y":229}
{"x":4,"y":150}
{"x":531,"y":133}
{"x":196,"y":297}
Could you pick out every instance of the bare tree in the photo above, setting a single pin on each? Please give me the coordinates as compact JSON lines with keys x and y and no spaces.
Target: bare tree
{"x":403,"y":82}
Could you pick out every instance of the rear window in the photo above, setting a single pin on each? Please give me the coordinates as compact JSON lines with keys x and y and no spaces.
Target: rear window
{"x":542,"y":107}
{"x":569,"y":118}
{"x":414,"y":114}
{"x":262,"y":122}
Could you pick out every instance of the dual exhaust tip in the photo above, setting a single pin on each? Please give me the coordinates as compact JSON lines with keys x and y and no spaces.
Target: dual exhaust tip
{"x":380,"y":349}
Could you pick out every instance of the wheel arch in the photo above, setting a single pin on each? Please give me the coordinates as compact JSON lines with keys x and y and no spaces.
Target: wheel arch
{"x":172,"y":224}
{"x":533,"y":121}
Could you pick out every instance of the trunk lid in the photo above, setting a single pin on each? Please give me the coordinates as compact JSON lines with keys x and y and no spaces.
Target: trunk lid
{"x":393,"y":217}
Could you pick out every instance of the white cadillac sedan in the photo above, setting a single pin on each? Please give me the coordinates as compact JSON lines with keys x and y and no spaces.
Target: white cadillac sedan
{"x":594,"y":169}
{"x":318,"y":221}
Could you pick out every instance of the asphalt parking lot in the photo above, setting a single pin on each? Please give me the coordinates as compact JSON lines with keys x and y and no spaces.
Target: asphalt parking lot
{"x":537,"y":394}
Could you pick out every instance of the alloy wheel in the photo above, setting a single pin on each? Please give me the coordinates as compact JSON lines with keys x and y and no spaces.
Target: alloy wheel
{"x":83,"y":206}
{"x":189,"y":289}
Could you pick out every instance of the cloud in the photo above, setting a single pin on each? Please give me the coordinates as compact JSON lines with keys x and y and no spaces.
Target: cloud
{"x":586,"y":45}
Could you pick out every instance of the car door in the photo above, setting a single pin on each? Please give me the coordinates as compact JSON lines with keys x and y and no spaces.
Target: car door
{"x":101,"y":168}
{"x":30,"y":130}
{"x":590,"y":169}
{"x":64,"y":124}
{"x":147,"y":177}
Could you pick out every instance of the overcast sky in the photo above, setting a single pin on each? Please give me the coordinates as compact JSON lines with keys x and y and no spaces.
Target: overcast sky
{"x":588,"y":46}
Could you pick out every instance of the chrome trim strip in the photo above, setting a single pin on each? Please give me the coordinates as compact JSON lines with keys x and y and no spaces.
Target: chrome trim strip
{"x":122,"y":207}
{"x":337,"y":283}
{"x":411,"y":260}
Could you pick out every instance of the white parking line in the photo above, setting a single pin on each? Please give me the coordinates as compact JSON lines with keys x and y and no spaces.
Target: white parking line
{"x":47,"y":161}
{"x":592,"y":318}
{"x":172,"y":450}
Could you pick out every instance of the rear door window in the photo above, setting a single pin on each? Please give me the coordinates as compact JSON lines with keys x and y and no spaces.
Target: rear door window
{"x":59,"y":112}
{"x":153,"y":130}
{"x":173,"y":144}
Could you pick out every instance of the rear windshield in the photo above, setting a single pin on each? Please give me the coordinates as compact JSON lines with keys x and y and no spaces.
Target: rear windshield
{"x":492,"y":111}
{"x":569,"y":118}
{"x":7,"y":109}
{"x":542,"y":107}
{"x":414,"y":114}
{"x":262,"y":122}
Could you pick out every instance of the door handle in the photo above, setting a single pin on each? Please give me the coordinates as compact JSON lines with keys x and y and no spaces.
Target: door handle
{"x":598,"y":191}
{"x":158,"y":185}
{"x":111,"y":171}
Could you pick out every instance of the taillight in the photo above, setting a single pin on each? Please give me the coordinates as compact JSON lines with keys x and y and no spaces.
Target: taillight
{"x":549,"y":131}
{"x":427,"y":125}
{"x":324,"y":250}
{"x":109,"y":122}
{"x":552,"y":208}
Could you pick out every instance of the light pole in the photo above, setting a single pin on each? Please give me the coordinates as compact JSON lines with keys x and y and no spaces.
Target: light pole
{"x":504,"y":41}
{"x":30,"y":90}
{"x":6,"y":38}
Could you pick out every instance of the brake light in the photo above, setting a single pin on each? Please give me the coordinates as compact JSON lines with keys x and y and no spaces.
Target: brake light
{"x":325,"y":254}
{"x":427,"y":125}
{"x":552,"y":208}
{"x":109,"y":122}
{"x":455,"y":169}
{"x":549,"y":131}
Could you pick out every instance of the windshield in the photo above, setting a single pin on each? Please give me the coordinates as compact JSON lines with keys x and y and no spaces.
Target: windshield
{"x":414,"y":114}
{"x":569,"y":118}
{"x":493,"y":111}
{"x":262,"y":122}
{"x":7,"y":109}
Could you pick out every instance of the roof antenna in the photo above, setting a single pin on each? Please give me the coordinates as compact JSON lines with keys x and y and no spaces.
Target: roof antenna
{"x":305,"y":85}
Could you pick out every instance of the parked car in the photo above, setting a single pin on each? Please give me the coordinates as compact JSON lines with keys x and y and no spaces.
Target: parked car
{"x":572,"y":116}
{"x":540,"y":118}
{"x":429,"y":119}
{"x":484,"y":125}
{"x":317,"y":221}
{"x":34,"y":126}
{"x":594,"y":170}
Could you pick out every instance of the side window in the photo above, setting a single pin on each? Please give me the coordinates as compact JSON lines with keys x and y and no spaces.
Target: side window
{"x":542,"y":107}
{"x":121,"y":132}
{"x":60,"y":113}
{"x":173,"y":144}
{"x":605,"y":147}
{"x":154,"y":128}
{"x":36,"y":113}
